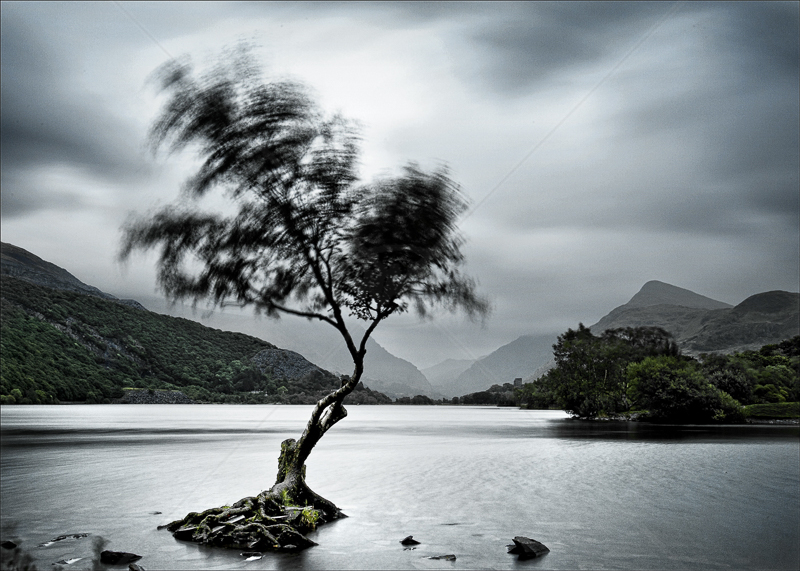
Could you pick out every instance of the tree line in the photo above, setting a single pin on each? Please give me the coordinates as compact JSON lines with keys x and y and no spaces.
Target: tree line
{"x":641,"y":372}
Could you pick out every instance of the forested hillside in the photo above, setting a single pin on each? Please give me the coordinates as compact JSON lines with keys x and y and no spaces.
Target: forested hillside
{"x":60,"y":345}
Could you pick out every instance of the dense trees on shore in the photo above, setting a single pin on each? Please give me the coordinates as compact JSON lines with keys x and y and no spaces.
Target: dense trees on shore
{"x":61,"y":346}
{"x":641,"y":371}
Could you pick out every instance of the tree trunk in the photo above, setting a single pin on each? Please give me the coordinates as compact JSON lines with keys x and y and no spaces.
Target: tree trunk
{"x":280,"y":517}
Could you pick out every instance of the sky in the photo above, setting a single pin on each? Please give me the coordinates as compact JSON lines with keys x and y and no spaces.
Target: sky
{"x":601,"y":145}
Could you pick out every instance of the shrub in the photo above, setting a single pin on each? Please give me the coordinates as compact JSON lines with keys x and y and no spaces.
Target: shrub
{"x":773,"y":410}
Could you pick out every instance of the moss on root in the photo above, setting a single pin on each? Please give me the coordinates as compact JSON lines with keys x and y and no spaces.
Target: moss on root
{"x":278,"y":519}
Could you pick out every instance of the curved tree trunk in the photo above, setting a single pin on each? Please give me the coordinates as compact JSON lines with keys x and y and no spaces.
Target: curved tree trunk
{"x":280,"y":517}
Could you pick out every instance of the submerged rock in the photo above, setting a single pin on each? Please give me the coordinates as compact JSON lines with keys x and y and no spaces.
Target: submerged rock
{"x":450,"y":557}
{"x":62,"y":538}
{"x":8,"y":545}
{"x":527,"y":548}
{"x":115,"y":557}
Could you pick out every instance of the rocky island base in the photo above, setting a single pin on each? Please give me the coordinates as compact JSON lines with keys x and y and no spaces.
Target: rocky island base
{"x":277,"y":519}
{"x":256,"y":523}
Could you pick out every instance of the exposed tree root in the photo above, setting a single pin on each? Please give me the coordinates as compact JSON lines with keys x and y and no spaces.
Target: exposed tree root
{"x":277,"y":519}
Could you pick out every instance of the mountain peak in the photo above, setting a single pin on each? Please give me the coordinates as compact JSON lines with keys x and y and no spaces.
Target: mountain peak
{"x":659,"y":293}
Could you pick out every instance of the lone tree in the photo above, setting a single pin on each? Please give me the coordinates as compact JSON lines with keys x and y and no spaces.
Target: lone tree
{"x":306,"y":239}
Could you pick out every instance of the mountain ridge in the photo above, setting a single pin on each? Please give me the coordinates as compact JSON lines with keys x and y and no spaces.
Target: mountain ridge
{"x":20,"y":263}
{"x":510,"y":361}
{"x":320,"y":345}
{"x":699,"y":324}
{"x":63,"y":345}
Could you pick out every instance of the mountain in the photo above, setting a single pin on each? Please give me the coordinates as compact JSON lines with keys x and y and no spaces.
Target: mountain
{"x":698,"y":323}
{"x":761,"y":319}
{"x":19,"y":263}
{"x":663,"y":305}
{"x":703,"y":325}
{"x":64,"y":340}
{"x":659,"y":293}
{"x":518,"y":359}
{"x":323,"y":346}
{"x":320,"y":344}
{"x":443,"y":374}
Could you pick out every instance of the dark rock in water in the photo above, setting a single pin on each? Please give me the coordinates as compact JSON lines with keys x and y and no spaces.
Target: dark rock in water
{"x":410,"y":541}
{"x":527,"y":548}
{"x":116,"y":557}
{"x":155,"y":513}
{"x":8,"y":545}
{"x":450,"y":557}
{"x":135,"y":567}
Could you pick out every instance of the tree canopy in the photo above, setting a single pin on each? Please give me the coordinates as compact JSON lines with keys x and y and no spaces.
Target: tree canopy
{"x":590,"y":373}
{"x":308,"y":238}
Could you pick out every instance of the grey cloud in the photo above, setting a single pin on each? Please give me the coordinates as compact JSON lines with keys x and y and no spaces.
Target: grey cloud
{"x":711,"y":149}
{"x":527,"y":45}
{"x":767,"y":32}
{"x":530,"y":42}
{"x":21,"y":197}
{"x":47,"y":120}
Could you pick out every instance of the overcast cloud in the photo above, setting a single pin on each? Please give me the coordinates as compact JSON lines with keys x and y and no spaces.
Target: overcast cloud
{"x":602,"y":144}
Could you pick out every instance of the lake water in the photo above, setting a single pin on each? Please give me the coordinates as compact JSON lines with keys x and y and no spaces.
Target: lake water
{"x":461,"y":480}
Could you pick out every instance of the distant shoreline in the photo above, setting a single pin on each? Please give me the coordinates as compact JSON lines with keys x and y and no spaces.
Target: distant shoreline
{"x":748,"y":421}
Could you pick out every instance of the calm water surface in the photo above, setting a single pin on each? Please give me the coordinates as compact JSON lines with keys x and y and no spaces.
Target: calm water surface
{"x":461,"y":480}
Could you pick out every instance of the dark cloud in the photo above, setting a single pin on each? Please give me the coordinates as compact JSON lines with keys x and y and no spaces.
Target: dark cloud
{"x":48,"y":119}
{"x":531,"y":42}
{"x":21,"y":197}
{"x":707,"y":147}
{"x":765,"y":34}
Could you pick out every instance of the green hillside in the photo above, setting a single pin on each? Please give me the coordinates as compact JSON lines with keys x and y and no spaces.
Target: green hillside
{"x":58,"y":345}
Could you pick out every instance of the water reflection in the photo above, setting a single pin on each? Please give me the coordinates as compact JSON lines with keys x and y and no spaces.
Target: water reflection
{"x":650,"y":432}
